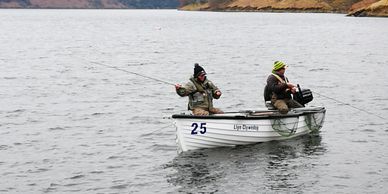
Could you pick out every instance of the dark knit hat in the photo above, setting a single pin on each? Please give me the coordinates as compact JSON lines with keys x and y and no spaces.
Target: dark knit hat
{"x":198,"y":70}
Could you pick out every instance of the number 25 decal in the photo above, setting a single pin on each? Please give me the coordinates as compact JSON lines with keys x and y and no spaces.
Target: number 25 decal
{"x":202,"y":128}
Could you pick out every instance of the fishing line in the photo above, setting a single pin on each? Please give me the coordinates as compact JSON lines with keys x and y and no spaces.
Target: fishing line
{"x":158,"y":130}
{"x":350,"y":105}
{"x":134,"y":73}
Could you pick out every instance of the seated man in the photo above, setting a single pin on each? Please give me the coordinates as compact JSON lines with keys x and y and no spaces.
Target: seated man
{"x":279,"y":89}
{"x":201,"y":92}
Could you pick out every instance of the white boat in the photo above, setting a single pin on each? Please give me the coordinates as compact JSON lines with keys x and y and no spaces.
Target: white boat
{"x":245,"y":127}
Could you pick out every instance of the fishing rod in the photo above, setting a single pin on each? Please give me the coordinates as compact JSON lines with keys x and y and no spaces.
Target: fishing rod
{"x":168,"y":83}
{"x":350,"y":105}
{"x":134,"y":73}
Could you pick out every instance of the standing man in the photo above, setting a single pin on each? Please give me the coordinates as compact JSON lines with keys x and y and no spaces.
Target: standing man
{"x":201,"y":92}
{"x":279,"y":89}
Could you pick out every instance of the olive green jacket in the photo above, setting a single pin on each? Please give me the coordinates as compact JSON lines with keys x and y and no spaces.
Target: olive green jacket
{"x":200,"y":94}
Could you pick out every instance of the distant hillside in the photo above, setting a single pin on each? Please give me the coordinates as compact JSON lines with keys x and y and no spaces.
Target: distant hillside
{"x":370,"y":8}
{"x":364,"y":7}
{"x":90,"y":4}
{"x":271,"y":5}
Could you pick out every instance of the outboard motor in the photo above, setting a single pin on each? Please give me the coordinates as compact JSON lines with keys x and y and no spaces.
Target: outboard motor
{"x":303,"y":96}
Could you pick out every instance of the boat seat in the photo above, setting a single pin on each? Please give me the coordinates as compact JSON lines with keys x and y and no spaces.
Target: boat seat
{"x":269,"y":105}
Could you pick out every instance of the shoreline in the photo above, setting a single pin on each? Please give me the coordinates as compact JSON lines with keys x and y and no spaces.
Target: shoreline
{"x":362,"y":8}
{"x":272,"y":11}
{"x":358,"y":13}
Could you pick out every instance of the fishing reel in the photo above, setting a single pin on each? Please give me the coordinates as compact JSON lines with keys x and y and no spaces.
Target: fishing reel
{"x":303,"y":96}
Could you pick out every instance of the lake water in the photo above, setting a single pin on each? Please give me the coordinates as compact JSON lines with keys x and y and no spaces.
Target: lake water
{"x":68,"y":124}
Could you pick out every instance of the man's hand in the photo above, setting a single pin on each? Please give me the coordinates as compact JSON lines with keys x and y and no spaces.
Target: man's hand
{"x":177,"y":86}
{"x":218,"y":93}
{"x":291,"y":85}
{"x":293,"y":90}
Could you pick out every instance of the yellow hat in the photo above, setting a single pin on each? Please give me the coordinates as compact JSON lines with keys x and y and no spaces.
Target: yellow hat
{"x":278,"y":65}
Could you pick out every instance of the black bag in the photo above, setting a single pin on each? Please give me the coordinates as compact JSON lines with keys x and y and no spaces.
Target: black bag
{"x":303,"y":96}
{"x":267,"y":94}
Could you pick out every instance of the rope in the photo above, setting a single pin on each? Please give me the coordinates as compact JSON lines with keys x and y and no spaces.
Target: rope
{"x":134,"y":73}
{"x":350,"y":106}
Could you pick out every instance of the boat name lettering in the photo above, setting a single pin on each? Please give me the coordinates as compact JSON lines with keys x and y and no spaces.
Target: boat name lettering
{"x":246,"y":127}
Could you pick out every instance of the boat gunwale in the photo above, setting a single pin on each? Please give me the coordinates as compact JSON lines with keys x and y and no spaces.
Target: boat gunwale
{"x":249,"y":115}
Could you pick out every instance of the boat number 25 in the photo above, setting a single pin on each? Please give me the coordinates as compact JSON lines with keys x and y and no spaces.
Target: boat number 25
{"x":194,"y":129}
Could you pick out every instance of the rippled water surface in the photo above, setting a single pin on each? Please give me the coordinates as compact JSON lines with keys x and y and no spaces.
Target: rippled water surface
{"x":69,"y":124}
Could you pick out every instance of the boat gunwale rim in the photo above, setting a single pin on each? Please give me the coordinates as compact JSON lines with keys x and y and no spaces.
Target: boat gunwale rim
{"x":248,"y":116}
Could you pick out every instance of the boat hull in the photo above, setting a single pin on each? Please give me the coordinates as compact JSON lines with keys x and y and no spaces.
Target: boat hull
{"x":198,"y":132}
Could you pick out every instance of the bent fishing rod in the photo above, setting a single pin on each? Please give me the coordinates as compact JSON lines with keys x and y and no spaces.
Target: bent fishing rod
{"x":134,"y":73}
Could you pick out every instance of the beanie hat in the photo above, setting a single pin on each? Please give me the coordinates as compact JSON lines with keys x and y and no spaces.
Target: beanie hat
{"x":278,"y":65}
{"x":198,"y":70}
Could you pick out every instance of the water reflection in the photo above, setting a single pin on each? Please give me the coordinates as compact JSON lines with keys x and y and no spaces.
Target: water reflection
{"x":195,"y":173}
{"x":272,"y":166}
{"x":288,"y":161}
